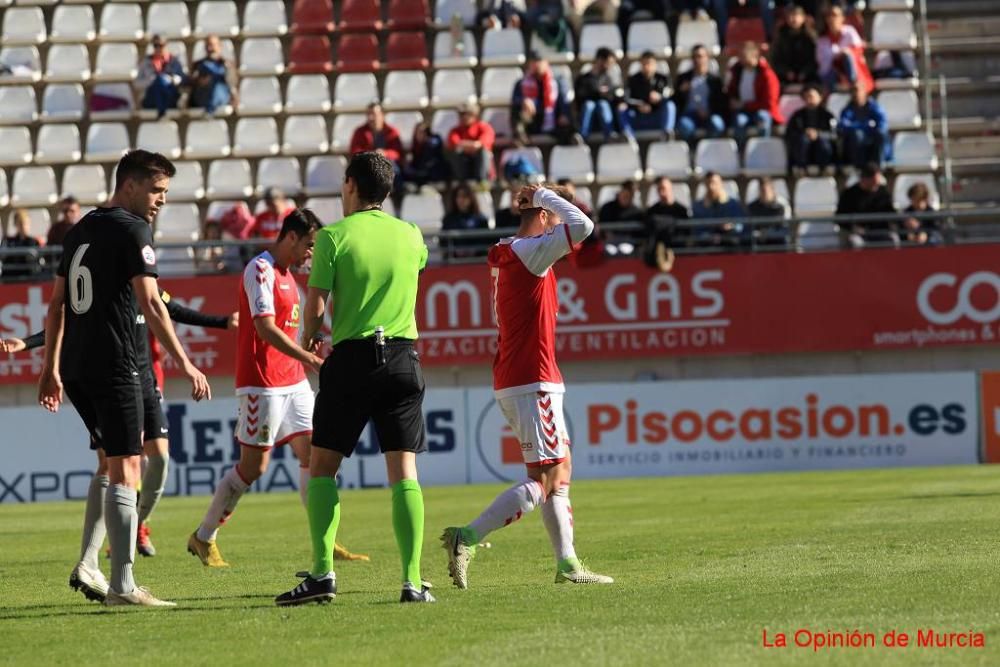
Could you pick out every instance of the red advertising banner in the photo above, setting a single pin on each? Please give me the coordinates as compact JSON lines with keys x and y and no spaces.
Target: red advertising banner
{"x":723,"y":305}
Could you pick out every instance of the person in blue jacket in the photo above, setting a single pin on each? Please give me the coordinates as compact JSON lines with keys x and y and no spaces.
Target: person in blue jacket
{"x":864,"y":130}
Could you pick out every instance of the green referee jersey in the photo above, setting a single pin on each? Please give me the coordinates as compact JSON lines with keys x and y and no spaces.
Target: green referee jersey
{"x":370,"y":263}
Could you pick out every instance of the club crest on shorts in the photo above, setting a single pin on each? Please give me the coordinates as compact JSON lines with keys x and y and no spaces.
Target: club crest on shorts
{"x":265,"y":433}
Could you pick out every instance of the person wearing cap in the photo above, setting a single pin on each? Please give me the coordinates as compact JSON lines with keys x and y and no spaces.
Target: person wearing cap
{"x":268,"y":223}
{"x":160,"y":77}
{"x":470,"y":145}
{"x":377,"y":135}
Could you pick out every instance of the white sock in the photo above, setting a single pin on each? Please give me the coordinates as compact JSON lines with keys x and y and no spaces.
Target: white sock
{"x":557,"y":515}
{"x":154,"y":479}
{"x":122,"y":522}
{"x":304,"y":484}
{"x":508,"y":507}
{"x":93,"y":521}
{"x":227,"y":494}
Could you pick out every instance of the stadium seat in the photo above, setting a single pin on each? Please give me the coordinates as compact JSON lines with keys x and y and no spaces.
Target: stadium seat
{"x":179,"y":262}
{"x":406,"y":50}
{"x":58,"y":143}
{"x":452,"y":87}
{"x":358,"y":53}
{"x":718,"y":155}
{"x":15,"y":146}
{"x":308,"y":93}
{"x":502,"y":47}
{"x":328,"y":209}
{"x":264,"y":18}
{"x":405,"y":122}
{"x":815,"y":197}
{"x":618,"y":162}
{"x":731,"y":187}
{"x":216,"y":17}
{"x":572,"y":162}
{"x":531,"y":154}
{"x":668,"y":158}
{"x":498,"y":86}
{"x":305,"y":135}
{"x":606,"y":194}
{"x":883,"y":60}
{"x":913,"y":151}
{"x":229,"y":179}
{"x":34,"y":186}
{"x":260,"y":96}
{"x":106,"y":142}
{"x":118,"y":91}
{"x":168,"y":19}
{"x":648,"y":36}
{"x":343,"y":128}
{"x":780,"y":189}
{"x":88,"y":183}
{"x":178,"y":222}
{"x":903,"y":183}
{"x":62,"y":102}
{"x":188,"y":184}
{"x":445,"y":10}
{"x":499,"y":119}
{"x":740,"y":30}
{"x":425,"y":210}
{"x":256,"y":137}
{"x":116,"y":62}
{"x":67,"y":63}
{"x":261,"y":56}
{"x":901,"y":108}
{"x":893,"y":31}
{"x":21,"y":64}
{"x":836,"y":102}
{"x":72,"y":23}
{"x":207,"y":138}
{"x":354,"y":92}
{"x":360,"y":16}
{"x":279,"y":172}
{"x":325,"y":175}
{"x":817,"y":236}
{"x":310,"y":54}
{"x":764,"y":156}
{"x":789,"y":103}
{"x":596,"y":35}
{"x":408,"y":15}
{"x":312,"y":17}
{"x":555,"y":56}
{"x":443,"y":120}
{"x":485,"y":200}
{"x":23,"y":25}
{"x":691,"y":33}
{"x":121,"y":23}
{"x":448,"y":54}
{"x":405,"y":90}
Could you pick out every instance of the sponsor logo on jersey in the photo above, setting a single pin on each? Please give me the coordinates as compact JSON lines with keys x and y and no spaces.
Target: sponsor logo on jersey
{"x":149,"y":255}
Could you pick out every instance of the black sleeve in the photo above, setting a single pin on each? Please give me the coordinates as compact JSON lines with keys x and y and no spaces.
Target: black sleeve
{"x":35,"y":340}
{"x":184,"y":315}
{"x":140,"y":258}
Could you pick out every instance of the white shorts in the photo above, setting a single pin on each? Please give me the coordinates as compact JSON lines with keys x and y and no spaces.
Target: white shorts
{"x":271,"y":420}
{"x":539,"y":425}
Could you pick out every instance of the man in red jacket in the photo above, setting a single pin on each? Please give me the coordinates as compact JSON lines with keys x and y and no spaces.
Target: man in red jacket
{"x":470,"y":145}
{"x":377,"y":135}
{"x":753,"y":92}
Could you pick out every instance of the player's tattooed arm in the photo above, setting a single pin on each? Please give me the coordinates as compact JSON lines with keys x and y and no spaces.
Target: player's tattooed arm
{"x":50,"y":388}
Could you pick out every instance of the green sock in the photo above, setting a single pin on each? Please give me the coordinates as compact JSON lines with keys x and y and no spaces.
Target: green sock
{"x":323,"y":509}
{"x":408,"y":523}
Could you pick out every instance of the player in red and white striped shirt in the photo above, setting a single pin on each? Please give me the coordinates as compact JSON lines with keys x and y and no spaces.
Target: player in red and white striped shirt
{"x":527,"y":382}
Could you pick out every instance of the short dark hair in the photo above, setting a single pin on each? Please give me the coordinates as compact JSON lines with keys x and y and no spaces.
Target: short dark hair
{"x":646,"y":55}
{"x":812,"y":87}
{"x":465,"y":188}
{"x":919,"y":191}
{"x":140,"y":165}
{"x":698,"y":47}
{"x":870,"y":170}
{"x":301,"y":222}
{"x":604,"y":53}
{"x":564,"y":181}
{"x":629,"y":184}
{"x":68,"y":200}
{"x":373,"y":175}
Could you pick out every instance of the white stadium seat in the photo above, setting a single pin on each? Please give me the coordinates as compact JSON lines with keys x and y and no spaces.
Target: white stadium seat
{"x":15,"y":146}
{"x":116,"y":62}
{"x":106,"y":142}
{"x":648,"y":36}
{"x":160,"y":137}
{"x":913,"y":151}
{"x":443,"y":121}
{"x":121,"y":23}
{"x":261,"y":56}
{"x":58,"y":143}
{"x":499,"y":119}
{"x":67,"y":63}
{"x":23,"y":64}
{"x":178,"y":222}
{"x":905,"y":181}
{"x":305,"y":135}
{"x":23,"y":25}
{"x":263,"y":18}
{"x":424,"y":209}
{"x":328,"y":209}
{"x":18,"y":105}
{"x":883,"y":60}
{"x":718,"y":155}
{"x":883,"y":5}
{"x":308,"y":93}
{"x":188,"y":184}
{"x":88,"y":183}
{"x":207,"y":138}
{"x":260,"y":95}
{"x":691,"y":33}
{"x":780,"y":190}
{"x":228,"y":50}
{"x":168,"y":19}
{"x":815,"y":197}
{"x":596,"y":35}
{"x":449,"y":55}
{"x":572,"y":162}
{"x":229,"y":179}
{"x":817,"y":236}
{"x":618,"y":162}
{"x":444,"y":10}
{"x":553,"y":55}
{"x":606,"y":194}
{"x":34,"y":186}
{"x":354,"y":92}
{"x":405,"y":89}
{"x":452,"y":87}
{"x":836,"y":102}
{"x":256,"y":137}
{"x":325,"y":174}
{"x":405,"y":122}
{"x":668,"y":158}
{"x":280,"y":172}
{"x":764,"y":156}
{"x":531,"y":154}
{"x":789,"y":103}
{"x":39,"y":222}
{"x":901,"y":108}
{"x":73,"y":23}
{"x":498,"y":86}
{"x":343,"y":128}
{"x":216,"y":17}
{"x":893,"y":31}
{"x":503,"y":47}
{"x":4,"y":190}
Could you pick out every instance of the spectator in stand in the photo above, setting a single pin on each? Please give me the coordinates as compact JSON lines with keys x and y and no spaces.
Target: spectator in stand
{"x":69,"y":215}
{"x":497,"y":14}
{"x":377,"y":135}
{"x":810,"y":135}
{"x":601,"y":92}
{"x":663,"y":234}
{"x":622,"y":208}
{"x":924,"y":231}
{"x":793,"y":53}
{"x":213,"y":79}
{"x":866,"y":197}
{"x":840,"y":53}
{"x":470,"y":145}
{"x":160,"y":78}
{"x":427,"y":163}
{"x":267,"y":225}
{"x":538,"y":105}
{"x":29,"y":263}
{"x":510,"y":217}
{"x":718,"y":205}
{"x":769,"y":205}
{"x":753,"y":93}
{"x":217,"y":259}
{"x":700,"y":99}
{"x":864,"y":129}
{"x":570,"y":187}
{"x":463,"y":215}
{"x":649,"y":107}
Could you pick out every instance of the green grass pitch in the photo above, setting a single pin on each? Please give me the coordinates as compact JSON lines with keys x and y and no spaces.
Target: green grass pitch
{"x":704,"y":565}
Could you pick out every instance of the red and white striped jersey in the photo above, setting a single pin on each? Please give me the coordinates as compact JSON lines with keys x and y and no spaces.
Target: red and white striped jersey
{"x":525,"y":302}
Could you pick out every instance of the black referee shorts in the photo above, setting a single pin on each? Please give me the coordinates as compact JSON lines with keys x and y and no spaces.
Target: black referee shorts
{"x":154,"y":422}
{"x":354,"y":388}
{"x":112,"y":411}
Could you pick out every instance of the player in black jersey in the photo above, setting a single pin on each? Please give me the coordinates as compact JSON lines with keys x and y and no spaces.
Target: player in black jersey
{"x":108,"y":267}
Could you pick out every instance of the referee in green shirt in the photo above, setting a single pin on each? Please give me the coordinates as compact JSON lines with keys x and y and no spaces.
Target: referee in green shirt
{"x":369,"y":262}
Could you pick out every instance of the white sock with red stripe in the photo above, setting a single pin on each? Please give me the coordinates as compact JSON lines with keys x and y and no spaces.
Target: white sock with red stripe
{"x":557,"y":515}
{"x":304,"y":477}
{"x":508,"y":507}
{"x":227,"y":494}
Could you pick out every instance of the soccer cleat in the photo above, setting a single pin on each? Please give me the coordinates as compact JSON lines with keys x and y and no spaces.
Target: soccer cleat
{"x":142,"y":543}
{"x":139,"y":597}
{"x":89,"y":581}
{"x":208,"y":552}
{"x":459,"y":555}
{"x":341,"y":553}
{"x":321,"y":591}
{"x":578,"y":573}
{"x":411,"y":594}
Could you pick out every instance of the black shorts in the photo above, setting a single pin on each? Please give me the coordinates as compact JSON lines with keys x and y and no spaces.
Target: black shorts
{"x":112,"y":411}
{"x":354,"y":389}
{"x":154,"y":422}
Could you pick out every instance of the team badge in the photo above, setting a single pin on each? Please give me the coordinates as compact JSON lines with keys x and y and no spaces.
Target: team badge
{"x":149,"y":255}
{"x":265,"y":433}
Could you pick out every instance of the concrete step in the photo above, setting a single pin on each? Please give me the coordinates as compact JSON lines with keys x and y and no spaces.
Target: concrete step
{"x":942,"y":9}
{"x":943,"y":29}
{"x":981,"y":147}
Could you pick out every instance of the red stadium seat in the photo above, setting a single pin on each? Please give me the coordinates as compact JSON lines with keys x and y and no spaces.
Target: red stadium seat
{"x":312,"y":17}
{"x":310,"y":54}
{"x":740,"y":30}
{"x":360,"y":16}
{"x":407,"y":50}
{"x":358,"y":53}
{"x":408,"y":15}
